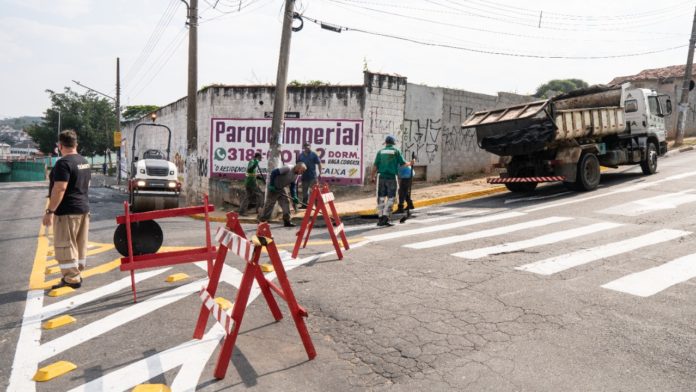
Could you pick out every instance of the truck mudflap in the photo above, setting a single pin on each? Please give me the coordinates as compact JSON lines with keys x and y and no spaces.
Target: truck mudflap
{"x":509,"y":180}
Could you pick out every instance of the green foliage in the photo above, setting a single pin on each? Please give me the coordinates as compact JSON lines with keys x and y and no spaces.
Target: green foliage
{"x":136,"y":112}
{"x":559,"y":86}
{"x":92,"y":118}
{"x":310,"y":83}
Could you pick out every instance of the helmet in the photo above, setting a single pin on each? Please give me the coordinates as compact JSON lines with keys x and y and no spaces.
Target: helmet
{"x":390,"y":140}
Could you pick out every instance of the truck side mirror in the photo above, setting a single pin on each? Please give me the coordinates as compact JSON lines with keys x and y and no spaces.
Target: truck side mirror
{"x":668,"y":107}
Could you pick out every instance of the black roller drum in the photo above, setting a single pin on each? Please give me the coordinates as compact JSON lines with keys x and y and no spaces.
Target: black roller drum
{"x":147,"y":238}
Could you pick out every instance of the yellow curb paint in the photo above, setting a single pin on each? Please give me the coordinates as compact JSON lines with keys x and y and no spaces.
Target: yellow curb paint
{"x":54,"y":370}
{"x":60,"y":291}
{"x":52,"y":270}
{"x":51,"y":263}
{"x":224,"y":303}
{"x":176,"y":277}
{"x":151,"y":388}
{"x":267,"y":268}
{"x":58,"y":322}
{"x":37,"y":272}
{"x":100,"y":269}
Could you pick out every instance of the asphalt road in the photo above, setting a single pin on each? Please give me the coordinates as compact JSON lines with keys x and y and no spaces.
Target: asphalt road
{"x":555,"y":291}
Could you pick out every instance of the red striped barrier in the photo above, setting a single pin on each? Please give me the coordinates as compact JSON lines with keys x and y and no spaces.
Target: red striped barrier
{"x":505,"y":180}
{"x":232,"y":238}
{"x":321,"y":201}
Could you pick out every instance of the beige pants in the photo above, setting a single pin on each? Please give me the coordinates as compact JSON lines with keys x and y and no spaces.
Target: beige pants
{"x":70,"y":243}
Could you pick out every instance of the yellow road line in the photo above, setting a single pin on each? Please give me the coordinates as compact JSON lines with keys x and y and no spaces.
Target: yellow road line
{"x":36,"y":278}
{"x":100,"y":269}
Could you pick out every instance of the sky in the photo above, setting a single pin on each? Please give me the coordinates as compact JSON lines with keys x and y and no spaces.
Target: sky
{"x":476,"y":45}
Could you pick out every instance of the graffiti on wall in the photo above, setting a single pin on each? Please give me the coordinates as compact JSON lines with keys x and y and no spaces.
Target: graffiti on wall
{"x":454,"y":138}
{"x":422,"y":138}
{"x":202,"y":167}
{"x":381,"y":124}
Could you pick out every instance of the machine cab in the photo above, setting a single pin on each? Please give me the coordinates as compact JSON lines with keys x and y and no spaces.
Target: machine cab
{"x":645,"y":111}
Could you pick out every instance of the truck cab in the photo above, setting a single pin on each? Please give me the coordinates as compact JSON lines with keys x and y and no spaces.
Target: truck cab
{"x":645,"y":113}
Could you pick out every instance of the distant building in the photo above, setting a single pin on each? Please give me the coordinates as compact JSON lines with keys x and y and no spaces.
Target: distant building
{"x":667,"y":80}
{"x":5,"y":151}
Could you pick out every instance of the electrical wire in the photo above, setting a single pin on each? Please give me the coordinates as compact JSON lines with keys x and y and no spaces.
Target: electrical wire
{"x":152,"y":41}
{"x":492,"y":52}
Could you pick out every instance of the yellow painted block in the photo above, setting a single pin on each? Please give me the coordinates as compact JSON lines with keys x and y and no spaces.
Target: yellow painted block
{"x":61,"y":291}
{"x":54,"y":370}
{"x":151,"y":388}
{"x":58,"y":322}
{"x":176,"y":277}
{"x":49,"y":252}
{"x":267,"y":267}
{"x":224,"y":304}
{"x":52,"y":262}
{"x":52,"y":270}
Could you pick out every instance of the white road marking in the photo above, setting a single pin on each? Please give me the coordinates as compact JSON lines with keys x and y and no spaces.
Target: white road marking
{"x":25,"y":364}
{"x":448,"y":226}
{"x":627,"y":189}
{"x":570,"y":260}
{"x":656,"y":279}
{"x":652,"y":204}
{"x":538,"y":241}
{"x":534,"y":198}
{"x":486,"y":233}
{"x":465,"y":213}
{"x":65,"y":305}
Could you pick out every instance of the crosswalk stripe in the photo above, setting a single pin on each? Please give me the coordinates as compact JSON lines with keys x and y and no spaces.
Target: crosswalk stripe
{"x":448,"y":226}
{"x":465,"y":213}
{"x":652,"y":204}
{"x":486,"y":233}
{"x":537,"y":241}
{"x":656,"y":279}
{"x":570,"y":260}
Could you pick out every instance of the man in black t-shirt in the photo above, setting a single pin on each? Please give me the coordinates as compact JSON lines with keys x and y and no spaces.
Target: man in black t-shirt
{"x":69,"y":202}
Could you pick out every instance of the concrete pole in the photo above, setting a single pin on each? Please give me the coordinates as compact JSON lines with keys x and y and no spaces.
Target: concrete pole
{"x":684,"y":101}
{"x":191,"y":176}
{"x":118,"y":119}
{"x":281,"y":87}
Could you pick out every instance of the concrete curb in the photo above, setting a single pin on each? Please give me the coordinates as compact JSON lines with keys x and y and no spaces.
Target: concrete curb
{"x":349,"y":214}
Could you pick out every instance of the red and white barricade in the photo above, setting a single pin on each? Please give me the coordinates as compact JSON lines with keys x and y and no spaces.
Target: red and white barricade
{"x":232,"y":238}
{"x":321,"y":201}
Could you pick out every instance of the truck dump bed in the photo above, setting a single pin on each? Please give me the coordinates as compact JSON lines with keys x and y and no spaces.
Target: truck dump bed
{"x":533,"y":126}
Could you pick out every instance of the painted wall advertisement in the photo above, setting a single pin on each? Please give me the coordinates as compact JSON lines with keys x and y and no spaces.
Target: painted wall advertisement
{"x":338,"y":143}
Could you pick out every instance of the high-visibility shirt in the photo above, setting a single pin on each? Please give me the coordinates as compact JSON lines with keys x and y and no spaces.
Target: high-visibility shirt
{"x":250,"y":179}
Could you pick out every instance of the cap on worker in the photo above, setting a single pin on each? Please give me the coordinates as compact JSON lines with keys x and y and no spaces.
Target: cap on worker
{"x":390,"y":140}
{"x":306,"y":144}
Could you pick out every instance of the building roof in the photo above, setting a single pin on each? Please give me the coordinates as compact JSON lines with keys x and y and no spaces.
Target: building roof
{"x":673,"y":71}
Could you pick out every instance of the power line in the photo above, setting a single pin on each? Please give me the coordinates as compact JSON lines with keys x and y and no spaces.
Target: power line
{"x":158,"y":64}
{"x":492,"y":52}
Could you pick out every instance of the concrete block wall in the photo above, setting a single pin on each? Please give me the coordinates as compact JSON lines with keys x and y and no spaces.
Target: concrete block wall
{"x":383,"y":113}
{"x":423,"y":129}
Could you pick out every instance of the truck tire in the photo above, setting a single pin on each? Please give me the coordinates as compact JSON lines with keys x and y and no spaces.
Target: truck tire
{"x":521,"y":187}
{"x":649,"y":164}
{"x":588,"y":173}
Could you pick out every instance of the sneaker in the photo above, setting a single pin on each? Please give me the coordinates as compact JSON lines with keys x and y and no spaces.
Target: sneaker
{"x":411,"y":207}
{"x":63,"y":283}
{"x":387,"y":223}
{"x":288,"y":224}
{"x":400,"y":210}
{"x":380,"y":222}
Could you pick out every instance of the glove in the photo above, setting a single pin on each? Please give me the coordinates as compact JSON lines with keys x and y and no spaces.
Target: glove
{"x":272,"y":188}
{"x":295,"y":200}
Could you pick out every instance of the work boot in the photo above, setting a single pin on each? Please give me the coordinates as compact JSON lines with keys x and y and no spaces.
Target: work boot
{"x":411,"y":207}
{"x":288,"y":224}
{"x":63,"y":283}
{"x":380,"y":222}
{"x":400,"y":210}
{"x":386,"y":222}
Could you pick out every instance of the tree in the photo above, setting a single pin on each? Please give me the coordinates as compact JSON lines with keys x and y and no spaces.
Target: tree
{"x":559,"y":86}
{"x":91,"y":116}
{"x":136,"y":112}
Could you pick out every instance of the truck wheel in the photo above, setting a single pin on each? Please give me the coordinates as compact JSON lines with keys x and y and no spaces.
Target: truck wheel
{"x":521,"y":187}
{"x":649,"y":164}
{"x":588,"y":173}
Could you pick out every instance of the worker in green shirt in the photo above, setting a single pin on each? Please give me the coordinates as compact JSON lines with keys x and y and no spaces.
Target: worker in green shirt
{"x":253,"y":192}
{"x":387,"y":163}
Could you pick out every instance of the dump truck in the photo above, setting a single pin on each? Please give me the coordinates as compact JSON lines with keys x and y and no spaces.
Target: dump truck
{"x":568,"y":137}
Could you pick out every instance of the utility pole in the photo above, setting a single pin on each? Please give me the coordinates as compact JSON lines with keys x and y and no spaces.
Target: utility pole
{"x":191,"y":105}
{"x":281,"y":86}
{"x":684,"y":101}
{"x":118,"y":119}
